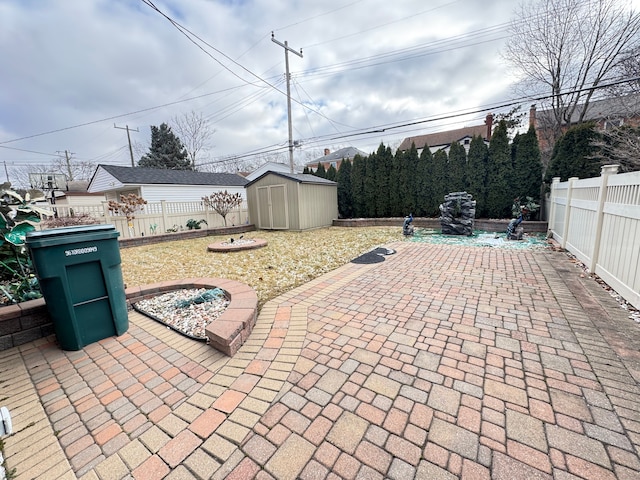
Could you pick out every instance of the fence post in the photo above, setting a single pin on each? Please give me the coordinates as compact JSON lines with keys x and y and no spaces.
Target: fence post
{"x":567,"y":213}
{"x":552,"y":200}
{"x":605,"y":172}
{"x":163,"y":209}
{"x":207,"y":212}
{"x":105,"y":206}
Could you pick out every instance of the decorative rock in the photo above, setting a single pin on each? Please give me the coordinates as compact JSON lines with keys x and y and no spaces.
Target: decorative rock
{"x":457,"y":214}
{"x":187,"y":311}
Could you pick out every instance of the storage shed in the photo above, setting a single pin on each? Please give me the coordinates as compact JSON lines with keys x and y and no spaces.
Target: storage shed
{"x":288,"y":201}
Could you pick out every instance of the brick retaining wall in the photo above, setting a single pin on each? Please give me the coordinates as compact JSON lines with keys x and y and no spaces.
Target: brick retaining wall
{"x":487,"y":225}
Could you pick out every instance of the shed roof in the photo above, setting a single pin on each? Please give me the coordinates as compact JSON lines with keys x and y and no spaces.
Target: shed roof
{"x":159,"y":176}
{"x":296,"y":177}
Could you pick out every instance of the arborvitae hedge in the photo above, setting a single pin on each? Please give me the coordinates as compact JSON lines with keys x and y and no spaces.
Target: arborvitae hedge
{"x":383,"y":184}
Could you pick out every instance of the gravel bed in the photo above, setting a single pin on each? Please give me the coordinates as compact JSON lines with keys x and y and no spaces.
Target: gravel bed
{"x":187,"y":311}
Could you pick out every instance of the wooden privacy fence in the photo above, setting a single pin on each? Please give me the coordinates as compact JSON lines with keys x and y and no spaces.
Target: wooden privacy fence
{"x":156,"y":217}
{"x":598,"y":221}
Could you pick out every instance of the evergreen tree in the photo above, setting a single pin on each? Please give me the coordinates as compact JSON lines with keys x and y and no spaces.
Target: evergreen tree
{"x":166,"y":151}
{"x":320,"y":171}
{"x":476,"y":174}
{"x":395,"y":190}
{"x":306,"y":170}
{"x":457,"y":167}
{"x":358,"y":172}
{"x":381,"y":172}
{"x":500,"y":190}
{"x":527,"y":165}
{"x":331,"y":173}
{"x":420,"y":174}
{"x":439,"y":181}
{"x":573,"y":154}
{"x":370,"y":187}
{"x":345,"y":195}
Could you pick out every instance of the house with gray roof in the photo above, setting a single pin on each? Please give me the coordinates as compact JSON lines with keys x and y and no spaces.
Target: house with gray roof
{"x":334,"y":158}
{"x":443,"y":140}
{"x":605,"y":113}
{"x":155,"y":184}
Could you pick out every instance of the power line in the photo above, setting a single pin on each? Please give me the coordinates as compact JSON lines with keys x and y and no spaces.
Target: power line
{"x":28,"y":151}
{"x":314,"y":72}
{"x":114,"y":117}
{"x":447,"y":116}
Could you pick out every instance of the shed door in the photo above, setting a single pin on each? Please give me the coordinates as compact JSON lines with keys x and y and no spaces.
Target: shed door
{"x":273,"y":211}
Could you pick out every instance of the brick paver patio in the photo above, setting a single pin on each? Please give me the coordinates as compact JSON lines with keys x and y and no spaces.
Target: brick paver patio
{"x":442,"y":362}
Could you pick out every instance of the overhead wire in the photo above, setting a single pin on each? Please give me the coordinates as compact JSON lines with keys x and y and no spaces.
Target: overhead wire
{"x":148,"y":2}
{"x":446,"y":116}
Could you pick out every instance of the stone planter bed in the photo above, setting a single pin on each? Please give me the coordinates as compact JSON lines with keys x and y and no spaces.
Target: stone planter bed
{"x":29,"y":321}
{"x":238,"y":245}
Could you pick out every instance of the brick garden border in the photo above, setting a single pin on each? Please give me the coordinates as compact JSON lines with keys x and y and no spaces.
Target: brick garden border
{"x":30,"y":320}
{"x":231,"y":329}
{"x":224,"y":247}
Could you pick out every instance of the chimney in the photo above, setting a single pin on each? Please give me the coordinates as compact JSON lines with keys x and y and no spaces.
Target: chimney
{"x":532,"y":116}
{"x":489,"y":122}
{"x":327,"y":151}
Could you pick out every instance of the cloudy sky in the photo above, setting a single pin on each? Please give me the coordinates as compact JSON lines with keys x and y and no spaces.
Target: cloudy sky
{"x":71,"y":69}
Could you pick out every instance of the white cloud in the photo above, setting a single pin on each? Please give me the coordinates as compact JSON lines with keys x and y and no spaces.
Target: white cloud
{"x":75,"y":62}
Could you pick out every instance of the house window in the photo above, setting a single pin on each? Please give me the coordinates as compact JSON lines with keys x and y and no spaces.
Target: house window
{"x":467,"y":141}
{"x":334,"y":164}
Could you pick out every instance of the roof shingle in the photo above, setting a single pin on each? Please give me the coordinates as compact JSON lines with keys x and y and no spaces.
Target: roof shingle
{"x":158,"y":176}
{"x":439,"y":139}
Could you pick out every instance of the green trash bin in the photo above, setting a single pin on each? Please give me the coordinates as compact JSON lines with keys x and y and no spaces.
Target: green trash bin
{"x":81,"y":281}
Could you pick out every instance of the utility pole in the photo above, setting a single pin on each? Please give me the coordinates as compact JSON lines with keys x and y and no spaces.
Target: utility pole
{"x":6,"y":172}
{"x":126,"y":127}
{"x":287,"y":49}
{"x":67,"y":156}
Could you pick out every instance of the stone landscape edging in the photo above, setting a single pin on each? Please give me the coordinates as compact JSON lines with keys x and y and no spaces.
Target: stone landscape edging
{"x":225,"y":247}
{"x":27,"y":321}
{"x":232,"y":328}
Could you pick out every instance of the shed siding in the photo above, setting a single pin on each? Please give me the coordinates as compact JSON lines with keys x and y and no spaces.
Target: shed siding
{"x":318,"y":205}
{"x":307,"y":205}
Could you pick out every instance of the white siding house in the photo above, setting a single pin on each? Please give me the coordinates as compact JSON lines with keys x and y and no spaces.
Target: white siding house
{"x":155,"y":185}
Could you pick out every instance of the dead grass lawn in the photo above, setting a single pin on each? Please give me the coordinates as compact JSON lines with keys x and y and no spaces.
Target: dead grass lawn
{"x":289,"y":260}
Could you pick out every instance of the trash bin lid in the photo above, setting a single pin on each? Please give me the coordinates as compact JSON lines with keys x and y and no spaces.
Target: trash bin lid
{"x":64,"y":234}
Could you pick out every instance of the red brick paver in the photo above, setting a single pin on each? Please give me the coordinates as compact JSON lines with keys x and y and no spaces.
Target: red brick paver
{"x":440,"y":362}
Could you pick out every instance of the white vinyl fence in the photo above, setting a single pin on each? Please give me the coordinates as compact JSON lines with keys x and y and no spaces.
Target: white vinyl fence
{"x":598,"y":221}
{"x":156,"y":217}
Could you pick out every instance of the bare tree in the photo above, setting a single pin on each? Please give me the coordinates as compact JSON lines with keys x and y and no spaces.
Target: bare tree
{"x":568,"y":49}
{"x":619,"y":146}
{"x":223,"y":203}
{"x":71,"y":169}
{"x":195,"y":132}
{"x":628,"y":71}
